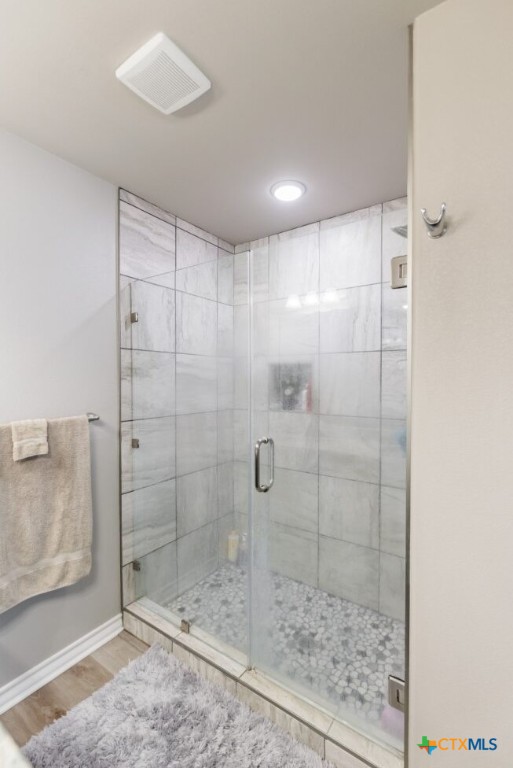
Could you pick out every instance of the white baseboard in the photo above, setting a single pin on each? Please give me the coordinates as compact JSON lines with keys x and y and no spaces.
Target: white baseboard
{"x":21,"y":687}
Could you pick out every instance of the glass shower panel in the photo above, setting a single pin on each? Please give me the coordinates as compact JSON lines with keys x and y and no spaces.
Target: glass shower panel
{"x":327,"y":584}
{"x":184,"y":440}
{"x":211,"y":544}
{"x":148,"y":441}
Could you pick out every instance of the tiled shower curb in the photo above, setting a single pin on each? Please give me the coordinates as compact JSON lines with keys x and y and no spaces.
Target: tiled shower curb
{"x":332,"y":739}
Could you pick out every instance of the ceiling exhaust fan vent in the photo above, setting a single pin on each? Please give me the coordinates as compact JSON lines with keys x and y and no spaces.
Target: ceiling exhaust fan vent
{"x":161,"y":74}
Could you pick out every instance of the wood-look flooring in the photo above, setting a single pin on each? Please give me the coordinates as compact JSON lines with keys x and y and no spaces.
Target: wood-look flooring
{"x":53,"y":700}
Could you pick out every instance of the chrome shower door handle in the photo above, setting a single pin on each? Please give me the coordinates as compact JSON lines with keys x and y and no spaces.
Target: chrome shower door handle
{"x":262,"y":487}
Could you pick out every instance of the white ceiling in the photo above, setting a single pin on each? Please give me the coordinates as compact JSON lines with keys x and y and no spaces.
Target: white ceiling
{"x":314,"y":90}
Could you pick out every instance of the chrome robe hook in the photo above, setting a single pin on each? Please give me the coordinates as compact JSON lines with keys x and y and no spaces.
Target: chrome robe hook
{"x":435,"y":227}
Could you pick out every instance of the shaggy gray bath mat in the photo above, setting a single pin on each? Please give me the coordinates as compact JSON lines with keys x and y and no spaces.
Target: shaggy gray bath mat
{"x":156,"y":713}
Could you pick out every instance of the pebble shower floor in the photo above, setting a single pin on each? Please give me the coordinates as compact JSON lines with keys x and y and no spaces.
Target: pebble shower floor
{"x":334,"y":649}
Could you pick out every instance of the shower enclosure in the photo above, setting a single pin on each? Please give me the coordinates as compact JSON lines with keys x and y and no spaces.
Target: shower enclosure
{"x":264,"y":444}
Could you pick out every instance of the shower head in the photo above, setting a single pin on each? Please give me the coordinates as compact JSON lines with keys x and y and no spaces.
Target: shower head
{"x":403,"y":231}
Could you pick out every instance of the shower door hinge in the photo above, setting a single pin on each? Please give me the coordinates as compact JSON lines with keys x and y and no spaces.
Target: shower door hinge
{"x":136,"y":565}
{"x":396,"y":692}
{"x":134,"y":317}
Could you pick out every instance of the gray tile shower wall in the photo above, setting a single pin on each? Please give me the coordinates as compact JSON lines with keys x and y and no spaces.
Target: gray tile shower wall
{"x":323,"y":315}
{"x":323,"y":312}
{"x":177,"y":400}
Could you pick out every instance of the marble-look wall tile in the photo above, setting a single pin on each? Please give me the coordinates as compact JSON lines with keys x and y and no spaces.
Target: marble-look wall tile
{"x":196,"y":500}
{"x":393,"y":521}
{"x":186,"y":226}
{"x":393,"y":390}
{"x":146,"y":243}
{"x":265,"y":337}
{"x":196,"y":384}
{"x":225,"y":384}
{"x":242,"y":445}
{"x":225,"y":489}
{"x":152,"y":383}
{"x":224,"y":245}
{"x":352,"y":217}
{"x":155,"y":307}
{"x":397,"y":204}
{"x":196,"y":325}
{"x":148,"y":519}
{"x":241,"y":433}
{"x":241,"y":278}
{"x":224,"y":436}
{"x":350,"y":253}
{"x":147,"y":385}
{"x":395,"y":313}
{"x":350,"y":384}
{"x":154,"y":460}
{"x":240,"y":487}
{"x":241,"y":383}
{"x":196,"y":442}
{"x":128,"y":592}
{"x":291,"y":330}
{"x":144,"y":205}
{"x":349,"y":510}
{"x":393,"y":453}
{"x":192,"y":250}
{"x":157,"y":578}
{"x":294,"y":553}
{"x":125,"y":308}
{"x":294,"y":262}
{"x":349,"y":571}
{"x":259,"y":270}
{"x":395,"y":214}
{"x":349,"y":448}
{"x":294,"y":499}
{"x":296,"y":440}
{"x":126,"y":384}
{"x":225,"y":278}
{"x":225,"y":526}
{"x":351,"y":320}
{"x":335,"y":269}
{"x":392,"y":586}
{"x":198,"y":280}
{"x":197,"y":556}
{"x":241,"y":331}
{"x":167,"y":279}
{"x":224,"y":330}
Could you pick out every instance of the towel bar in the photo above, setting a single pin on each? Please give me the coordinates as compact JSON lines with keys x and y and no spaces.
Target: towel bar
{"x":93,"y":417}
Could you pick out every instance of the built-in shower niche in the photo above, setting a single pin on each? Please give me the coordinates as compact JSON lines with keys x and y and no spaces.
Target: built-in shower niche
{"x":290,"y":387}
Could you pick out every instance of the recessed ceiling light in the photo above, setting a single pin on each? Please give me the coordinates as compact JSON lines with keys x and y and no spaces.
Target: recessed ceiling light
{"x":288,"y":191}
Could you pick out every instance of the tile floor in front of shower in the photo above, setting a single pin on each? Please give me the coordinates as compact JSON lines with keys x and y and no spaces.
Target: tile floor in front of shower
{"x":336,"y":651}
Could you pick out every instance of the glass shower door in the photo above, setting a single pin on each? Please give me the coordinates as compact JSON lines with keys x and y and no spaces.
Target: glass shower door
{"x":327,"y":539}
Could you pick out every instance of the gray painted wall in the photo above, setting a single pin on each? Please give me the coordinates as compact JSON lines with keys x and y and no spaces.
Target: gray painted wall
{"x":58,"y":342}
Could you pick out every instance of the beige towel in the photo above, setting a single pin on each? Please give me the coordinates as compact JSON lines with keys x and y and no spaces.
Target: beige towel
{"x":29,"y":438}
{"x":45,"y":513}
